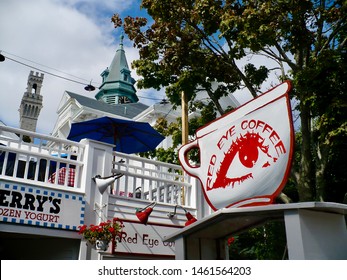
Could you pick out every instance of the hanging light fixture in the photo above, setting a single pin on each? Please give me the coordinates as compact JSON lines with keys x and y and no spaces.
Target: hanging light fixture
{"x":164,"y":101}
{"x":143,"y":214}
{"x":138,"y":192}
{"x":89,"y":87}
{"x":103,"y":182}
{"x":190,"y":218}
{"x":2,"y":58}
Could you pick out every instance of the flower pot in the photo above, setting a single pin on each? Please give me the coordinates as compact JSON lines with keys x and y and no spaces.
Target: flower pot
{"x":101,"y":245}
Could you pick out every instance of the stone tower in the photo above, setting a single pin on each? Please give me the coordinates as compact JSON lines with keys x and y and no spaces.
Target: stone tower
{"x":31,"y":103}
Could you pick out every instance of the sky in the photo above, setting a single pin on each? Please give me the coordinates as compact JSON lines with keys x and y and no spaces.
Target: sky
{"x":70,"y":38}
{"x":74,"y":39}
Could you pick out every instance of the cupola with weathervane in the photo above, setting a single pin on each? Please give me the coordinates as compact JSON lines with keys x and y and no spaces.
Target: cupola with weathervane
{"x":117,"y":84}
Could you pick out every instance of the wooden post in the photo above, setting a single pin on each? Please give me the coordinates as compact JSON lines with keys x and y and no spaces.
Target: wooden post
{"x":184,"y":118}
{"x":184,"y":104}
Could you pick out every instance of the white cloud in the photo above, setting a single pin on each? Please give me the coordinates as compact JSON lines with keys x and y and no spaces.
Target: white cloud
{"x":76,"y":37}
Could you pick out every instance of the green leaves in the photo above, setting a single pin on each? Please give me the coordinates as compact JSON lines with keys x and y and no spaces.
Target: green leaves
{"x":183,"y":49}
{"x":256,"y":76}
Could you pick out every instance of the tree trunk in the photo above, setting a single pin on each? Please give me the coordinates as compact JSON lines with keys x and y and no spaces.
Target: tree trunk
{"x":215,"y":101}
{"x":306,"y":172}
{"x":322,"y":161}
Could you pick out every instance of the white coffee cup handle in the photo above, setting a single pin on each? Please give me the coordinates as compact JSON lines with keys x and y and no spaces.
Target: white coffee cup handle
{"x":182,"y":154}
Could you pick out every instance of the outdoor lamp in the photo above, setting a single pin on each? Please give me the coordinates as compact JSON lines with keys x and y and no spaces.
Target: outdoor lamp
{"x":138,"y":192}
{"x":164,"y":101}
{"x":143,"y":214}
{"x":103,"y":182}
{"x":89,"y":87}
{"x":190,"y":218}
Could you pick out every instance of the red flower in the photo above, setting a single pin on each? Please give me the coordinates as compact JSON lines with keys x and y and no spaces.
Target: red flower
{"x":82,"y":229}
{"x":104,"y":231}
{"x":231,"y":240}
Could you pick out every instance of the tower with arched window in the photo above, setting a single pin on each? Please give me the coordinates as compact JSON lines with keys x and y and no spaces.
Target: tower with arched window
{"x":31,"y":103}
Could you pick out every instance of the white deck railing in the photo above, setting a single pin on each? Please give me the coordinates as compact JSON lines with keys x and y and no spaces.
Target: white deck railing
{"x":45,"y":161}
{"x":38,"y":163}
{"x":151,"y":180}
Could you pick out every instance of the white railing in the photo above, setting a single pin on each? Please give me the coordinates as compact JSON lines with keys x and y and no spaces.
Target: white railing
{"x":45,"y":161}
{"x":39,"y":162}
{"x":151,"y":180}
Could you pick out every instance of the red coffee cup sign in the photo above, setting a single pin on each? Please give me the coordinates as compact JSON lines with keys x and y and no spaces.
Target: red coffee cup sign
{"x":245,"y":155}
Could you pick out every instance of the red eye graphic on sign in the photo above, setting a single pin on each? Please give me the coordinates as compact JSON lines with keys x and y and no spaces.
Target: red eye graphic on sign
{"x":245,"y":155}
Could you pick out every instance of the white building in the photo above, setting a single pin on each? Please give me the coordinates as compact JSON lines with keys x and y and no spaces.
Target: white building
{"x":117,"y":98}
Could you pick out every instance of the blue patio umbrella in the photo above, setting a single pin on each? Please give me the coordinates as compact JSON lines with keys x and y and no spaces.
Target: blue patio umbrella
{"x":128,"y":136}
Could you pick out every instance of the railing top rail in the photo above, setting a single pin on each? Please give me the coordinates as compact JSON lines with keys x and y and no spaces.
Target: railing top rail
{"x":151,"y":161}
{"x":37,"y":135}
{"x":164,"y":180}
{"x":40,"y":155}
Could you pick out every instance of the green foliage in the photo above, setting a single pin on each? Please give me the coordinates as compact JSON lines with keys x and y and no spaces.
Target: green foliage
{"x":266,"y":242}
{"x":26,"y":138}
{"x":105,"y":231}
{"x":256,"y":76}
{"x":183,"y":50}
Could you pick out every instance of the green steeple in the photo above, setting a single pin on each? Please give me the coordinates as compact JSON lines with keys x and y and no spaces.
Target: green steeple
{"x":117,"y":84}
